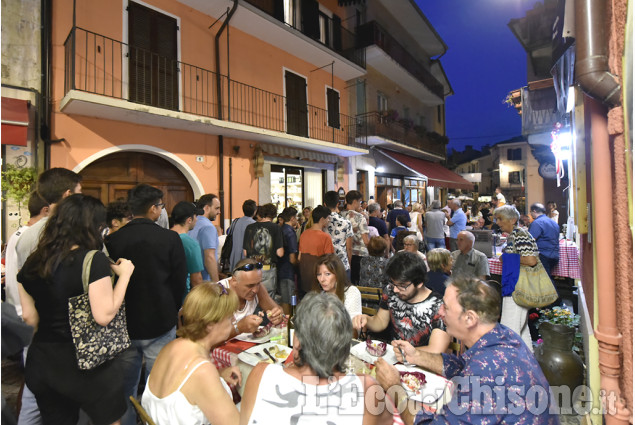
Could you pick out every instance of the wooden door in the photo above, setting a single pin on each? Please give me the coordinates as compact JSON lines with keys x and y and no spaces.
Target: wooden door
{"x":296,"y":104}
{"x":111,"y":177}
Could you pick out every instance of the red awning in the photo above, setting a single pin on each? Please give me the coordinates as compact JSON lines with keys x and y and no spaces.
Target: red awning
{"x":15,"y":121}
{"x":437,"y":174}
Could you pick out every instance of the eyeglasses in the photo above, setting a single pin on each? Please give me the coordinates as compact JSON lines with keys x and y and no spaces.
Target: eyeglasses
{"x":248,"y":267}
{"x":160,"y":205}
{"x":401,"y":287}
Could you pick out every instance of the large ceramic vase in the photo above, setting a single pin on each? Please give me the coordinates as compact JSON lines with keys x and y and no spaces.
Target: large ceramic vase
{"x":556,"y":358}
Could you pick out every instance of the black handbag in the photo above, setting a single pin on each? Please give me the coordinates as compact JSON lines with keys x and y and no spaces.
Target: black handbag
{"x":95,"y":344}
{"x":226,"y":251}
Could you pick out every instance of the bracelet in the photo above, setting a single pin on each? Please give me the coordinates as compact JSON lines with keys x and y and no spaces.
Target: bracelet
{"x":236,"y":326}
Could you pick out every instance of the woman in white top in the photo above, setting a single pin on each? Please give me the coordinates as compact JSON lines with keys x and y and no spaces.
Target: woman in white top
{"x":416,"y":220}
{"x":330,"y":276}
{"x":315,"y":389}
{"x":184,"y":387}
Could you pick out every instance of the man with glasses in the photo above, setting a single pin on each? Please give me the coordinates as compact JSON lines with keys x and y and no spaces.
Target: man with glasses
{"x":407,"y":308}
{"x":246,"y":281}
{"x":156,"y":287}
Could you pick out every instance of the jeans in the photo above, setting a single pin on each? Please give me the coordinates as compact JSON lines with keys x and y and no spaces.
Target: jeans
{"x":270,"y":280}
{"x":133,"y":358}
{"x":435,"y":243}
{"x":29,"y":412}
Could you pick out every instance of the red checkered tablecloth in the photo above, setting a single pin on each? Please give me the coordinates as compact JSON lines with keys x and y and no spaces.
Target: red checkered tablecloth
{"x":227,"y":354}
{"x":568,"y":265}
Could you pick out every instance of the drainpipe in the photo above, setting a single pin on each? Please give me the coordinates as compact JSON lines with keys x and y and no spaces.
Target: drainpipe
{"x":45,"y":56}
{"x":591,"y":58}
{"x":592,"y":73}
{"x":219,"y":97}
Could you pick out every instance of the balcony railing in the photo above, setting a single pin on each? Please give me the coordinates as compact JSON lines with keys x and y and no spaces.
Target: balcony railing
{"x":372,"y":33}
{"x":400,"y":131}
{"x":101,"y":65}
{"x":332,"y":35}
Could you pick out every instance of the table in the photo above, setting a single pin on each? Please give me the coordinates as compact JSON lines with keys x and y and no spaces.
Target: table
{"x":227,"y":355}
{"x":568,"y":265}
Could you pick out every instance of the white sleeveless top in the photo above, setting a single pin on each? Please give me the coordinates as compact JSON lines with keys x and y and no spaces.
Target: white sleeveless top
{"x":283,"y":399}
{"x":174,"y":409}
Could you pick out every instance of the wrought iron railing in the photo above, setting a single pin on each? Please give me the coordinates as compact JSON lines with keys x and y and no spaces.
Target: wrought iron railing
{"x":400,"y":131}
{"x":101,"y":65}
{"x":338,"y":38}
{"x":373,"y":33}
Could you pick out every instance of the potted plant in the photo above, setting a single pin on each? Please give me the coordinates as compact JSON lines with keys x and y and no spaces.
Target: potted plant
{"x":17,"y":183}
{"x":555,"y":355}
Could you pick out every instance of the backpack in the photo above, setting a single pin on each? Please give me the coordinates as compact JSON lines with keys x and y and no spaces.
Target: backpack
{"x":226,"y":252}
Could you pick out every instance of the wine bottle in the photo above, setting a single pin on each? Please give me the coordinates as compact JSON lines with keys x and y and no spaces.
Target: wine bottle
{"x":291,"y":322}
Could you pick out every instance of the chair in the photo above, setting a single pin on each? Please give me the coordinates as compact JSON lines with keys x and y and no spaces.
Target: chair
{"x":145,"y":418}
{"x":370,"y":295}
{"x":456,"y":347}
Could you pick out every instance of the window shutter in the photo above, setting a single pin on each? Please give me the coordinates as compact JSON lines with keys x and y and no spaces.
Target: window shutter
{"x":333,"y":107}
{"x":153,"y":57}
{"x":310,"y":12}
{"x":278,"y":10}
{"x":337,"y":33}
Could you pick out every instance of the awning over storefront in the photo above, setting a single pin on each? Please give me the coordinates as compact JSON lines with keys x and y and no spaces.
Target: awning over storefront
{"x":300,"y":154}
{"x":388,"y":165}
{"x":15,"y":121}
{"x":437,"y":174}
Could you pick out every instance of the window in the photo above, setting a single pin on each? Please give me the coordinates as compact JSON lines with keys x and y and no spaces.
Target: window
{"x":514,"y":154}
{"x":333,"y":107}
{"x":382,"y":102}
{"x":153,"y":65}
{"x":514,"y":177}
{"x":324,"y":29}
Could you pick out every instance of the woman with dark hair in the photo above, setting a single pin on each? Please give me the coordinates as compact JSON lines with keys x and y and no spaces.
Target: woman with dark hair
{"x":330,"y":276}
{"x":315,"y":387}
{"x":372,"y":266}
{"x":52,"y":275}
{"x":184,"y":387}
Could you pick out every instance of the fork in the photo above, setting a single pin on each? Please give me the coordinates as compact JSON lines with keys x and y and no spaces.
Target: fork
{"x":404,"y":362}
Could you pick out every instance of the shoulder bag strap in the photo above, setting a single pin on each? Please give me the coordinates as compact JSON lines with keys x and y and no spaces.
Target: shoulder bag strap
{"x":88,"y":261}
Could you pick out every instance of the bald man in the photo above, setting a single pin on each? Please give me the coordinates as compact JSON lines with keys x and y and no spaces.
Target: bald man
{"x":467,"y":261}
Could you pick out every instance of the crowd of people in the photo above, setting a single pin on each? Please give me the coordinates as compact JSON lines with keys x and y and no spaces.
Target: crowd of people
{"x":187,"y":290}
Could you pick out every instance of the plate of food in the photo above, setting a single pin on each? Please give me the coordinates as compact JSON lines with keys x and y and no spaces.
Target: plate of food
{"x":256,"y":354}
{"x":263,"y":334}
{"x":369,"y":351}
{"x":422,"y":386}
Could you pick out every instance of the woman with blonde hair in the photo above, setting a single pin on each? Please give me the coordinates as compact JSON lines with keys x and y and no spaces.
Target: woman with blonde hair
{"x":184,"y":387}
{"x":440,"y":263}
{"x":416,"y":220}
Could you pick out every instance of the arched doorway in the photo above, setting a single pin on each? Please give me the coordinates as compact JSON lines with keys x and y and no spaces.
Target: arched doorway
{"x":110,"y":177}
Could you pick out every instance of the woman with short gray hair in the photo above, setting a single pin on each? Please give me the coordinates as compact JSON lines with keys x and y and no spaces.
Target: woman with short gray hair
{"x":321,"y":346}
{"x":519,"y":241}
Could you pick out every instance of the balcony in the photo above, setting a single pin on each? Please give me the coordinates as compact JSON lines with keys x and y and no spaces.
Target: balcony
{"x":303,"y":37}
{"x":329,"y":32}
{"x":384,"y":129}
{"x":393,"y":60}
{"x":110,"y":79}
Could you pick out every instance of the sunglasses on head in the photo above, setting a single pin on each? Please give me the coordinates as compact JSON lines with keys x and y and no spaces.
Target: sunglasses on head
{"x":248,"y":267}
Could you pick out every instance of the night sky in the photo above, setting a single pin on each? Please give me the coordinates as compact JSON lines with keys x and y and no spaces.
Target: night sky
{"x":484,"y":62}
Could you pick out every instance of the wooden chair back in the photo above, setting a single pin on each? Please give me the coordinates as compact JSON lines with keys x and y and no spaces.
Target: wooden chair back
{"x":370,"y":293}
{"x":145,"y":418}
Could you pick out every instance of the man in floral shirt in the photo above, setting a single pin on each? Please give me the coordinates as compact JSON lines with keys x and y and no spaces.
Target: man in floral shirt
{"x":360,"y":232}
{"x":497,"y":380}
{"x":340,"y":229}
